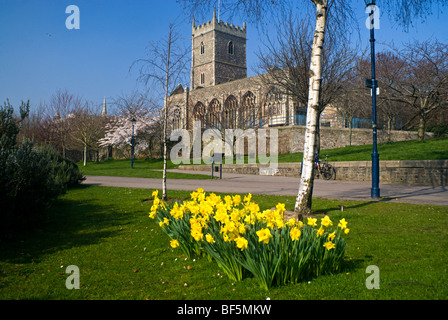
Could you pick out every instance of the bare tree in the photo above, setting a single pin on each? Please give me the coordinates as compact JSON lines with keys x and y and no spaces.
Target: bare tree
{"x":388,"y":67}
{"x":286,"y":63}
{"x":86,"y":128}
{"x":61,"y":105}
{"x":350,"y":101}
{"x":164,"y":66}
{"x":420,"y":80}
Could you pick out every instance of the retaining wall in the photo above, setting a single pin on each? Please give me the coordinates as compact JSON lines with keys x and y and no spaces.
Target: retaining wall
{"x":413,"y":172}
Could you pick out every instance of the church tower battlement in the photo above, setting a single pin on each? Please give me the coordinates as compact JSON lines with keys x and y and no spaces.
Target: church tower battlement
{"x":218,"y":53}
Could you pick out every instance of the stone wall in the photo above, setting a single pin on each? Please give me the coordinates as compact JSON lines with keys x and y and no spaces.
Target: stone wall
{"x":413,"y":172}
{"x":291,"y":137}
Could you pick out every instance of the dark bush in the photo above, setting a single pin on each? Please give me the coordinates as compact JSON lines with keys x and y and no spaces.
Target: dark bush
{"x":439,"y":130}
{"x":30,"y":177}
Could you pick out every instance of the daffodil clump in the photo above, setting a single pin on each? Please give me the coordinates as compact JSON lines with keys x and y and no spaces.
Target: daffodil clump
{"x":243,"y":239}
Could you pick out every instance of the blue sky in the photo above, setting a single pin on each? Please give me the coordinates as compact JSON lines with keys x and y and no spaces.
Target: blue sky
{"x":39,"y":55}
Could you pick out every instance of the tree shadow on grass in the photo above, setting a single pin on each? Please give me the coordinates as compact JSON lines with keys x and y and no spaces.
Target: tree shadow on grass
{"x":344,"y":205}
{"x":66,"y":224}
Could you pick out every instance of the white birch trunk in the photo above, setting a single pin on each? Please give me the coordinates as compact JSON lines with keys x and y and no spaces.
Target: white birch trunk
{"x":305,"y":193}
{"x":85,"y":154}
{"x":165,"y":117}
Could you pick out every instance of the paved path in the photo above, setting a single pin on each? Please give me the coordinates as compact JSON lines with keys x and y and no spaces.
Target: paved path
{"x":275,"y":185}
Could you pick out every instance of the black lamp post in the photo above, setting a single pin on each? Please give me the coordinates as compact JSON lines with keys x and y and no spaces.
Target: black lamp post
{"x":373,"y":84}
{"x":132,"y":143}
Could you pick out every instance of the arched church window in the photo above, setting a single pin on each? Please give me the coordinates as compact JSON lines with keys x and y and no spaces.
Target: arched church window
{"x":176,"y":118}
{"x":199,"y":113}
{"x":249,"y":113}
{"x":230,"y":47}
{"x":214,"y":114}
{"x":202,"y":48}
{"x":230,"y":113}
{"x":273,"y":107}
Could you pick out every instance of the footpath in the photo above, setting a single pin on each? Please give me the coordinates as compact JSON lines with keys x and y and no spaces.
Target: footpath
{"x":288,"y":186}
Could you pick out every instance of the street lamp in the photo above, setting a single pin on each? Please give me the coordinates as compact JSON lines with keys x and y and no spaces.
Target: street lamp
{"x":373,"y":84}
{"x":132,"y":143}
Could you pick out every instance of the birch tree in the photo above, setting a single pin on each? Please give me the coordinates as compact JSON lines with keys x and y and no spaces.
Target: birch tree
{"x":86,"y":128}
{"x":164,"y":67}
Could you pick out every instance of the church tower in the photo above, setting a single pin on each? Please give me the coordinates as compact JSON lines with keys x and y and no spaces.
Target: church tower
{"x":218,"y":53}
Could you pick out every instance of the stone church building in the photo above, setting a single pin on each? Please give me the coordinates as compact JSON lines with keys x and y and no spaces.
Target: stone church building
{"x":221,"y":95}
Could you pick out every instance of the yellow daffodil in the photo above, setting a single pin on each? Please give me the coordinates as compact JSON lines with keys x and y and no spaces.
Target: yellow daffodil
{"x":209,"y":238}
{"x":197,"y":235}
{"x":320,"y":232}
{"x":176,"y":212}
{"x":264,"y":235}
{"x":236,"y":200}
{"x":280,"y":207}
{"x":325,"y":221}
{"x":241,"y":243}
{"x":249,"y":219}
{"x":295,"y":233}
{"x":165,"y":221}
{"x":221,"y":216}
{"x":329,"y":245}
{"x":242,"y":228}
{"x":253,"y":208}
{"x":155,"y":193}
{"x":228,"y":200}
{"x":174,"y":243}
{"x":331,"y":236}
{"x":346,"y":230}
{"x":247,"y":198}
{"x":201,"y":197}
{"x":342,"y":223}
{"x":291,"y":222}
{"x":312,"y":222}
{"x":279,"y":223}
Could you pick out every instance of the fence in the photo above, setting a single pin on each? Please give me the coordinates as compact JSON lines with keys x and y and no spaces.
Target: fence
{"x":335,"y":122}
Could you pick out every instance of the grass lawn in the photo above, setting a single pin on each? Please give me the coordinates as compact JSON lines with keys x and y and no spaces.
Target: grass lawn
{"x":122,"y":254}
{"x":431,"y":149}
{"x":151,"y":168}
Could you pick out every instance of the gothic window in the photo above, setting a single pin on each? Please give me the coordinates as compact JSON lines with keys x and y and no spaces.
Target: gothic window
{"x":230,"y":113}
{"x":199,"y":113}
{"x":176,"y":119}
{"x":202,"y":48}
{"x":202,"y":78}
{"x":214,"y":114}
{"x":230,"y":47}
{"x":273,"y":107}
{"x":248,"y":111}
